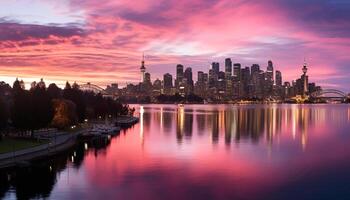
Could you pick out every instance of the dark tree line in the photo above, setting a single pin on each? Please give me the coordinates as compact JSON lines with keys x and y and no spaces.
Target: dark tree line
{"x":35,"y":108}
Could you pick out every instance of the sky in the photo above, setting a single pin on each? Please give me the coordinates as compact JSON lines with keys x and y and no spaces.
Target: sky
{"x":102,"y":41}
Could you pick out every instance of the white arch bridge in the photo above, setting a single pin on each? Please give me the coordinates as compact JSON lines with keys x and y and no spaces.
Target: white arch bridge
{"x":89,"y":87}
{"x":330,"y":94}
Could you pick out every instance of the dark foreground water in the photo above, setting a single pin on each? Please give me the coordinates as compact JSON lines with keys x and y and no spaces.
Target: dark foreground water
{"x":203,"y":152}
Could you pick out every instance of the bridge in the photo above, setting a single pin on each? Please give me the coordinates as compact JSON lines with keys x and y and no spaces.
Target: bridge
{"x":93,"y":88}
{"x":330,"y":94}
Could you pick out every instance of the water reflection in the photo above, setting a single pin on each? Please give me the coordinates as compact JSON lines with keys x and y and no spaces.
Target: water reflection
{"x":201,"y":152}
{"x":38,"y":180}
{"x":237,"y":123}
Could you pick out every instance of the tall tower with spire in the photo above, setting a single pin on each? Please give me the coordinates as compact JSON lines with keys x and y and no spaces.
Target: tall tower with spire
{"x":143,"y":69}
{"x":305,"y":78}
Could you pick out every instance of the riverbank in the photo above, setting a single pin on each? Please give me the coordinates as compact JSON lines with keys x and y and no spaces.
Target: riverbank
{"x":58,"y":142}
{"x":12,"y":144}
{"x":55,"y":142}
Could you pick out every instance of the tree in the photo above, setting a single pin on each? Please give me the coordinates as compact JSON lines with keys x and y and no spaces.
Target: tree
{"x":53,"y":91}
{"x":4,"y":115}
{"x":64,"y":113}
{"x":77,"y":97}
{"x":20,"y":110}
{"x":41,"y":108}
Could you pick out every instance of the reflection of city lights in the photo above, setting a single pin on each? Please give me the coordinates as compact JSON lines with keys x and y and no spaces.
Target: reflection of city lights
{"x":142,"y":111}
{"x":294,"y":120}
{"x":181,"y":116}
{"x":304,"y":141}
{"x":274,"y":118}
{"x":161,"y":119}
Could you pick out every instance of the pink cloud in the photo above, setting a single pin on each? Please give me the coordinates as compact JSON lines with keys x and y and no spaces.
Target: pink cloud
{"x":194,"y":33}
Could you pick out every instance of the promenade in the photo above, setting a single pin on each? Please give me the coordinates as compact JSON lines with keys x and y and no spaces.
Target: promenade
{"x":58,"y":141}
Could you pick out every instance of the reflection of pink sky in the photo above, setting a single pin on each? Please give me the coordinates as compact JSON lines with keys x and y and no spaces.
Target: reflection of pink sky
{"x":256,"y":167}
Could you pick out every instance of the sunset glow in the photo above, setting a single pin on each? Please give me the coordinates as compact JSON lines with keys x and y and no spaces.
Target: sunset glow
{"x":101,"y":41}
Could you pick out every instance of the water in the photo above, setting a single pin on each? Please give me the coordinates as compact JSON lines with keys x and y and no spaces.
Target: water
{"x":203,"y":152}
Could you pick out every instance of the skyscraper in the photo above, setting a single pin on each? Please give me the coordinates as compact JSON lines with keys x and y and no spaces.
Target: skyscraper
{"x":179,"y":75}
{"x":167,"y":83}
{"x":237,"y":71}
{"x":213,"y":78}
{"x":255,"y":69}
{"x":245,"y":79}
{"x":189,"y":80}
{"x":147,"y":78}
{"x":255,"y":86}
{"x":216,"y":67}
{"x":228,"y":68}
{"x":200,"y":86}
{"x":269,"y":71}
{"x":269,"y":79}
{"x":200,"y":77}
{"x":278,"y":89}
{"x":278,"y":79}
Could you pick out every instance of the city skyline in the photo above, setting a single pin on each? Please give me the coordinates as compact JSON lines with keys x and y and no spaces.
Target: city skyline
{"x":98,"y":42}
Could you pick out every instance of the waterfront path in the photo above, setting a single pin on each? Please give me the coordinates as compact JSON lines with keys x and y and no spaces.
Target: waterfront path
{"x":58,"y":142}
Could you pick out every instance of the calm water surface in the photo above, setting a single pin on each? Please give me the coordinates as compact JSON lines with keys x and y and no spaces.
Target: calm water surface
{"x":203,"y":152}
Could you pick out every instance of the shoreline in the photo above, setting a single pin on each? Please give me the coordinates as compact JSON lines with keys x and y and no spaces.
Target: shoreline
{"x":58,"y":143}
{"x":237,"y":104}
{"x":53,"y":147}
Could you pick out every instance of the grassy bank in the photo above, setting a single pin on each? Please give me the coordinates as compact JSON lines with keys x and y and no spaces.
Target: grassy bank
{"x":10,"y":144}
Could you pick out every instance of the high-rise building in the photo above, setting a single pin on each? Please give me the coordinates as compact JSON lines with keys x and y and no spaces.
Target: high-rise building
{"x":221,"y":84}
{"x":147,"y":78}
{"x":245,"y":79}
{"x":167,"y":83}
{"x":200,"y":77}
{"x":237,"y":71}
{"x":236,"y":81}
{"x":189,"y":80}
{"x":216,"y":67}
{"x":113,"y":89}
{"x":255,"y":86}
{"x":179,"y":76}
{"x":157,"y":87}
{"x":287,"y":90}
{"x":278,"y":79}
{"x":213,"y":78}
{"x":277,"y":88}
{"x":206,"y":78}
{"x":269,"y":79}
{"x":269,"y":71}
{"x":228,"y":68}
{"x":200,"y":87}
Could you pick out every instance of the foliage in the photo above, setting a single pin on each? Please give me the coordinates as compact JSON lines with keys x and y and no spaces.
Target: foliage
{"x":64,"y":113}
{"x":40,"y":107}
